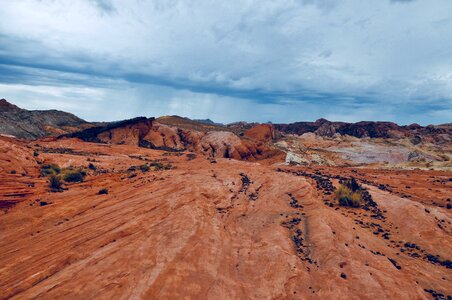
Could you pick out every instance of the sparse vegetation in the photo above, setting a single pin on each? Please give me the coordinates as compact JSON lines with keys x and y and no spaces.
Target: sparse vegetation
{"x":13,"y":172}
{"x":67,"y":174}
{"x":103,"y":192}
{"x":76,"y":175}
{"x":152,"y":166}
{"x":92,"y":167}
{"x":156,"y":166}
{"x":50,"y":170}
{"x":144,"y":168}
{"x":132,"y":169}
{"x":55,"y":183}
{"x":173,"y":154}
{"x":349,"y":194}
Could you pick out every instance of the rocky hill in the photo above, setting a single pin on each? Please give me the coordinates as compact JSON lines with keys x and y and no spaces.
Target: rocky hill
{"x":179,"y":134}
{"x":321,"y":142}
{"x":186,"y":123}
{"x":322,"y":127}
{"x":32,"y":124}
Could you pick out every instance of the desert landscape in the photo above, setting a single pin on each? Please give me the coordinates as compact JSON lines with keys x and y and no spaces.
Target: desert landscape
{"x":226,"y":150}
{"x":170,"y":208}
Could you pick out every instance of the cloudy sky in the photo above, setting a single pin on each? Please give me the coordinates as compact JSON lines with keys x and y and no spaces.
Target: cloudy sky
{"x":253,"y":60}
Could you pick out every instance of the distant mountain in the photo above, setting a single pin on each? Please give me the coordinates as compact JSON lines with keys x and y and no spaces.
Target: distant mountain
{"x":31,"y":124}
{"x":367,"y":129}
{"x":208,"y":122}
{"x":186,"y":123}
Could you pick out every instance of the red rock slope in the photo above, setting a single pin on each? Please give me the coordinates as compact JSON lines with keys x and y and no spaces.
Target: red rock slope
{"x":149,"y":133}
{"x":202,"y":230}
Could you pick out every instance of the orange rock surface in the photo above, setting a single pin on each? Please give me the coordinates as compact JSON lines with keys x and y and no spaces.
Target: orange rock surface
{"x":201,"y":230}
{"x":261,"y":132}
{"x":149,"y":133}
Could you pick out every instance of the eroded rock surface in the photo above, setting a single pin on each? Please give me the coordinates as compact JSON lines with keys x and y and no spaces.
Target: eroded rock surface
{"x":148,"y":133}
{"x":225,"y":230}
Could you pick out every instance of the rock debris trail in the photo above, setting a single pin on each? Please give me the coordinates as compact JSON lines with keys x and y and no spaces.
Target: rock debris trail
{"x":224,"y":230}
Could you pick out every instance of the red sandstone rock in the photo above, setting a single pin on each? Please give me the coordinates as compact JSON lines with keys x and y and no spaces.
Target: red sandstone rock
{"x":215,"y":231}
{"x":261,"y":132}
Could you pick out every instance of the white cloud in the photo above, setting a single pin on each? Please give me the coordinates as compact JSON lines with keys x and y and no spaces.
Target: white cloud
{"x":389,"y":52}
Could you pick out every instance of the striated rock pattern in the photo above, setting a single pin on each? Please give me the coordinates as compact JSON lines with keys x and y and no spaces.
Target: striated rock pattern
{"x":228,"y":230}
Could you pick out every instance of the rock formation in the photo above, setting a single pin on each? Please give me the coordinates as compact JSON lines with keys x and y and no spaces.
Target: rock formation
{"x":31,"y":124}
{"x":149,"y":133}
{"x":322,"y":127}
{"x":184,"y":227}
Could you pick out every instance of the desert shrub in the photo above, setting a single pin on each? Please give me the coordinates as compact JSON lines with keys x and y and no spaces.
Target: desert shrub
{"x":74,"y":175}
{"x":152,"y":166}
{"x":13,"y":172}
{"x":92,"y":167}
{"x":132,"y":169}
{"x":347,"y":197}
{"x":156,"y":166}
{"x":55,"y":183}
{"x":103,"y":192}
{"x":35,"y":153}
{"x":50,"y":170}
{"x":144,"y":168}
{"x":353,"y":185}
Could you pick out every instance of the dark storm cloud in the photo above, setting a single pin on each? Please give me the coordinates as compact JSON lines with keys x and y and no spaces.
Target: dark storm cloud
{"x":291,"y":59}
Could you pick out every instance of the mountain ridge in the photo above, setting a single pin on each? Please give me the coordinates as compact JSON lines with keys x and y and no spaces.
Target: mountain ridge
{"x":32,"y":124}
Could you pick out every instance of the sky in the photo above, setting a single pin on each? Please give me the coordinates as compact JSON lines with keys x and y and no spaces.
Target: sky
{"x":252,"y":60}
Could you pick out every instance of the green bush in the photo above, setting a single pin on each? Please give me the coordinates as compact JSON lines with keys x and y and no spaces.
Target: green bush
{"x":50,"y":170}
{"x":74,"y":176}
{"x":156,"y":166}
{"x":55,"y":183}
{"x":152,"y":166}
